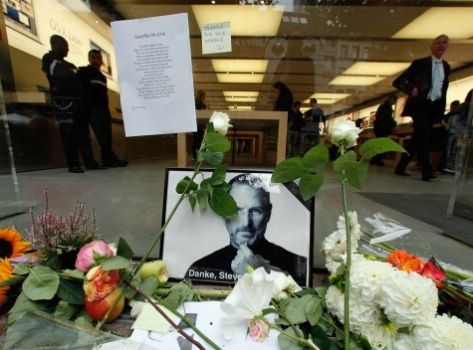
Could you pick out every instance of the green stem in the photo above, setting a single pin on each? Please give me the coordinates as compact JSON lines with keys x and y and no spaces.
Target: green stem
{"x":201,"y":293}
{"x":189,"y":324}
{"x":306,"y":342}
{"x":346,"y":323}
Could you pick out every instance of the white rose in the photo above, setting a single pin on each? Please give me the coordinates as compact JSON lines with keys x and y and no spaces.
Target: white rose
{"x":444,"y":333}
{"x":220,"y":122}
{"x":344,"y":133}
{"x":284,"y":285}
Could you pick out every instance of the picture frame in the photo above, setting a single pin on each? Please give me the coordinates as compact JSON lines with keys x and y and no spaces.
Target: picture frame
{"x":201,"y":246}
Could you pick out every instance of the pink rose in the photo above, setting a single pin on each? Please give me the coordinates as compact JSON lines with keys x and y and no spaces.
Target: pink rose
{"x":88,"y":253}
{"x":258,"y":329}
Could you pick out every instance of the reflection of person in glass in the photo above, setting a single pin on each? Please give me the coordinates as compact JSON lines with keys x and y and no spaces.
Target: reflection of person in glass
{"x":248,"y":245}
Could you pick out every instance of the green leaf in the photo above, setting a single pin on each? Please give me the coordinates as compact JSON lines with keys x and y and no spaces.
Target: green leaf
{"x":115,"y":263}
{"x":12,"y":281}
{"x":64,"y":310}
{"x":214,"y":142}
{"x":84,"y":319}
{"x":76,"y":274}
{"x":41,"y":284}
{"x":124,"y":249}
{"x":71,"y":292}
{"x":356,"y":174}
{"x":192,"y":202}
{"x":210,"y":127}
{"x":320,"y":338}
{"x":296,"y":309}
{"x":316,"y":157}
{"x":286,"y":343}
{"x":187,"y":185}
{"x":310,"y":184}
{"x":21,"y":306}
{"x":202,"y":198}
{"x":314,"y":310}
{"x":22,"y":269}
{"x":341,"y":162}
{"x":222,"y":203}
{"x":213,"y":158}
{"x":178,"y":294}
{"x":288,"y":170}
{"x":379,"y":145}
{"x":218,"y":176}
{"x":205,"y":185}
{"x":149,"y":285}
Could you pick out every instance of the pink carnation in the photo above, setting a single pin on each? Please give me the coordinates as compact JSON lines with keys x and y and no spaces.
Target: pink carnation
{"x":87,"y":254}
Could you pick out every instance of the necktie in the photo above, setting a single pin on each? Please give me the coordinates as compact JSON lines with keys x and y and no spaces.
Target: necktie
{"x":436,"y":89}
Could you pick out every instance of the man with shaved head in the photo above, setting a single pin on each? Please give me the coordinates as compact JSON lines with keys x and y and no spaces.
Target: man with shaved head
{"x":426,"y":83}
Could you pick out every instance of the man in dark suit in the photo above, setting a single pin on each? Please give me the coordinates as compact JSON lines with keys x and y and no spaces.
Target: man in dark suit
{"x":248,"y":246}
{"x":426,"y":84}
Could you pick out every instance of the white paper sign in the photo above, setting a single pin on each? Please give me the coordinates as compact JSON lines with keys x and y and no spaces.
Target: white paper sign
{"x":155,"y":74}
{"x":216,"y":38}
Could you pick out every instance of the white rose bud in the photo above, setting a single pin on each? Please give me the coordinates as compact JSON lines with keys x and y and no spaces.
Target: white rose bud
{"x":220,"y":121}
{"x":344,"y":133}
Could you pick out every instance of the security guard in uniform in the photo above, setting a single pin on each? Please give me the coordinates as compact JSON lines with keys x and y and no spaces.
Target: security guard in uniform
{"x":67,"y":101}
{"x":96,"y":101}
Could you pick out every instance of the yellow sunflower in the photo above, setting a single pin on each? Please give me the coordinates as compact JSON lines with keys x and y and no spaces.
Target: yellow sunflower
{"x":12,"y":244}
{"x":6,"y":271}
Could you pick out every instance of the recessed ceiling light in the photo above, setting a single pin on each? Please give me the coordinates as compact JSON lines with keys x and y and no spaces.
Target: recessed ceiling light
{"x":244,"y":20}
{"x":240,"y":108}
{"x":240,"y":78}
{"x":243,"y":66}
{"x":240,"y":99}
{"x":353,"y":80}
{"x":456,"y":22}
{"x":376,"y":68}
{"x":241,"y":93}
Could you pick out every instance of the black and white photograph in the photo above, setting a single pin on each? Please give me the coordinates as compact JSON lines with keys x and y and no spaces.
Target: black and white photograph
{"x":204,"y":247}
{"x":106,"y":67}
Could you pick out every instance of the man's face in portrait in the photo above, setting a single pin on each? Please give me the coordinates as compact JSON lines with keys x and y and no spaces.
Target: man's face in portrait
{"x":254,"y":212}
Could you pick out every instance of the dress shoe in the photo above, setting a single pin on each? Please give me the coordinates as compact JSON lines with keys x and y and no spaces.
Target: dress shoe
{"x":76,"y":169}
{"x":401,"y":173}
{"x":428,"y":177}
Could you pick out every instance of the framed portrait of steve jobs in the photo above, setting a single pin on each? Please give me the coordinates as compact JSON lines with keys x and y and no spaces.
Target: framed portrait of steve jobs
{"x":273,"y":228}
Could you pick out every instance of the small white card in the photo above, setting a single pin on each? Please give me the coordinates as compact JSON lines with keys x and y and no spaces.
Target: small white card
{"x":216,"y":38}
{"x":155,"y":74}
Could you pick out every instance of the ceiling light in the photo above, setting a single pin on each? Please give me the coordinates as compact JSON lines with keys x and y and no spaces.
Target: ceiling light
{"x":240,"y":78}
{"x":241,"y":99}
{"x":244,"y":20}
{"x":353,"y":80}
{"x":241,"y":93}
{"x":240,"y":108}
{"x":454,"y":21}
{"x":329,"y":95}
{"x":243,"y":66}
{"x":376,"y":68}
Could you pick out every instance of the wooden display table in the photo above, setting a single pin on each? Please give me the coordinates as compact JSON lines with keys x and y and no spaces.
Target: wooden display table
{"x":248,"y":124}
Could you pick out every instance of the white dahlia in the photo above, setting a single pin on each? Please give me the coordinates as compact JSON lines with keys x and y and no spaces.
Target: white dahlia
{"x":405,"y":342}
{"x":379,"y":337}
{"x":367,"y":276}
{"x":408,"y":299}
{"x":362,"y":315}
{"x":444,"y":333}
